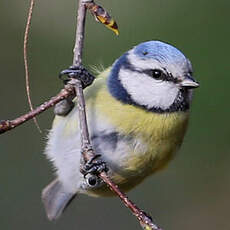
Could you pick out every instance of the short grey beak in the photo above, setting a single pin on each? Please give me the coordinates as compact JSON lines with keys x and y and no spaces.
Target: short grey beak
{"x":189,"y":82}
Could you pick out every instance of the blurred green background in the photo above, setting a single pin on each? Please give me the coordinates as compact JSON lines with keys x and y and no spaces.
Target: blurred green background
{"x":194,"y":191}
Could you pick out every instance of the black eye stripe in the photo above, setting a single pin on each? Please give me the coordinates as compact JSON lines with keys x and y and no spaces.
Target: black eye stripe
{"x":164,"y":77}
{"x":154,"y":73}
{"x":149,"y":72}
{"x":169,"y":77}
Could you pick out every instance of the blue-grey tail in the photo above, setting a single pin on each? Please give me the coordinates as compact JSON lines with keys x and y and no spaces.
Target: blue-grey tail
{"x":55,"y":199}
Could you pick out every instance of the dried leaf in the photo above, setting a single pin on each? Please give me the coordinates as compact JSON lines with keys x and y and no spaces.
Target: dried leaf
{"x":102,"y":16}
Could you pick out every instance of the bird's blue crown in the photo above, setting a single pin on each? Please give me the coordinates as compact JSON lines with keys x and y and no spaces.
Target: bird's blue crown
{"x":160,"y":51}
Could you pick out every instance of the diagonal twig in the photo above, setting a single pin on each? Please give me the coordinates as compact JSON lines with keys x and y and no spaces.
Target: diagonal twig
{"x":6,"y":125}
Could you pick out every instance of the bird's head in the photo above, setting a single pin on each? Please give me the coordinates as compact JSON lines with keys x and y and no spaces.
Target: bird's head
{"x":155,"y":76}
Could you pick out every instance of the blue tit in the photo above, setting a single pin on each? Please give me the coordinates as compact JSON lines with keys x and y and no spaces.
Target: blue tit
{"x":137,"y":111}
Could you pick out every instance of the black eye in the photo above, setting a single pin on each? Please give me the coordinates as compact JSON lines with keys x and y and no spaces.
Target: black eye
{"x":157,"y":74}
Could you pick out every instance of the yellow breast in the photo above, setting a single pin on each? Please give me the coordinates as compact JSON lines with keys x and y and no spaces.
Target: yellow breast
{"x":161,"y":133}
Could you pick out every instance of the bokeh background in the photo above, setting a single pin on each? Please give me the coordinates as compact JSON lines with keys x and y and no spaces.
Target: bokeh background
{"x":194,"y":191}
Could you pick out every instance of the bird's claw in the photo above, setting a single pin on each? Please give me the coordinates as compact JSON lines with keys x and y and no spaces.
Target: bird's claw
{"x":77,"y":72}
{"x":93,"y":167}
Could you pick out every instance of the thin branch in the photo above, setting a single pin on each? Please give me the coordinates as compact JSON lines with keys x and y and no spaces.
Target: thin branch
{"x":87,"y":151}
{"x":145,"y":220}
{"x":80,"y":33}
{"x":26,"y":36}
{"x":7,"y":125}
{"x":77,"y":61}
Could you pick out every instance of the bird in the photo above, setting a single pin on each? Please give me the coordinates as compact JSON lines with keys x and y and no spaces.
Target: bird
{"x":138,"y":113}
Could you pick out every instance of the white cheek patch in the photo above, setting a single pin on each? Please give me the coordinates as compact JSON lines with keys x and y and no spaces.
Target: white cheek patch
{"x":148,"y":91}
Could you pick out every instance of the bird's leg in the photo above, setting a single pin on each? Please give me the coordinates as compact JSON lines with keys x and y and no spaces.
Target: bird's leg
{"x":92,"y":168}
{"x":63,"y":107}
{"x":77,"y":72}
